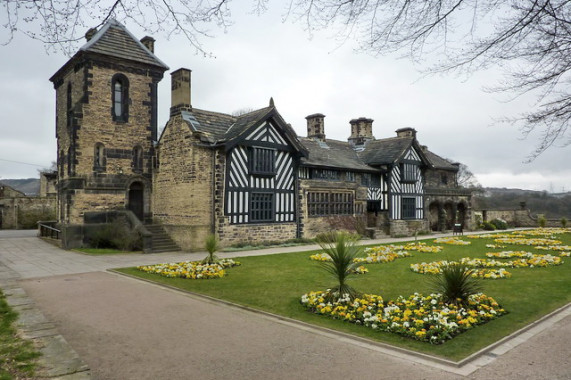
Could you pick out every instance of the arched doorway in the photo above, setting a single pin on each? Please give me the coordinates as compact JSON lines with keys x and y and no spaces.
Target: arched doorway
{"x":433,"y":216}
{"x":450,"y":215}
{"x":462,"y":214}
{"x":136,"y":200}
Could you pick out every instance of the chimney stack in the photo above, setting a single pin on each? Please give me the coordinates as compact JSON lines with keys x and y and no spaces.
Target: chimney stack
{"x":406,"y":132}
{"x":316,"y":126}
{"x":90,"y":33}
{"x":180,"y":91}
{"x":149,"y":43}
{"x":361,"y":131}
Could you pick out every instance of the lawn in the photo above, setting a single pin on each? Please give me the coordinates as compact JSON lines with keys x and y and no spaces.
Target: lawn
{"x":275,"y":284}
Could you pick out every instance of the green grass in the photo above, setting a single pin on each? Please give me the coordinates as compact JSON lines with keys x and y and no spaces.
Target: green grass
{"x":103,"y":251}
{"x":17,"y":356}
{"x":275,"y":283}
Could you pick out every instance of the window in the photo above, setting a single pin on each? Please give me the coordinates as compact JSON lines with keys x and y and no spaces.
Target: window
{"x":262,"y":207}
{"x":69,"y":107}
{"x":120,"y":97}
{"x":408,"y":172}
{"x":70,"y":161}
{"x":99,"y":159}
{"x":444,"y":179}
{"x":365,"y":179}
{"x":326,"y":203}
{"x":325,"y":174}
{"x":350,"y":176}
{"x":137,"y":162}
{"x":408,"y":208}
{"x":262,"y":161}
{"x":375,"y":180}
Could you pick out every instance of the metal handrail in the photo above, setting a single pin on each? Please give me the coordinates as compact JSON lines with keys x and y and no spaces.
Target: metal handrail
{"x":48,"y":231}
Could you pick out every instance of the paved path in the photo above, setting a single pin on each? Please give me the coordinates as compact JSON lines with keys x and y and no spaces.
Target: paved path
{"x":128,"y":329}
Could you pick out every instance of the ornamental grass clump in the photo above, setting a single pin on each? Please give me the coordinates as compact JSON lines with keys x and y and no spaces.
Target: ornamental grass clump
{"x":343,"y":250}
{"x":211,"y":245}
{"x":456,"y":284}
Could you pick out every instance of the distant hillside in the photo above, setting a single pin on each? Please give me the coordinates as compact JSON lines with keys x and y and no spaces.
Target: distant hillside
{"x":554,"y":205}
{"x":28,"y":186}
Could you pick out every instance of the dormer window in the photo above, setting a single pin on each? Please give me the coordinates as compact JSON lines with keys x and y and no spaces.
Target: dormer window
{"x":120,"y":98}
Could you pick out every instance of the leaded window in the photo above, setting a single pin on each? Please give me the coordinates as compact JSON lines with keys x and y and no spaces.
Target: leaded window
{"x":262,"y":207}
{"x":137,"y":160}
{"x":99,"y":158}
{"x":325,"y":174}
{"x":408,"y":208}
{"x":408,"y":172}
{"x":120,"y":98}
{"x":263,"y":161}
{"x":321,"y":203}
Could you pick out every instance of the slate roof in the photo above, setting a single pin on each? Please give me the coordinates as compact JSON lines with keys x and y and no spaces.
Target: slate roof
{"x":438,"y":162}
{"x":113,"y":39}
{"x":385,"y":151}
{"x":220,"y":128}
{"x":332,"y":153}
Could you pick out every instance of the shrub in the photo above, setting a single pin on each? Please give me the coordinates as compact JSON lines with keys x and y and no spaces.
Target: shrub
{"x":499,"y":224}
{"x":28,"y":219}
{"x":488,"y":226}
{"x":564,"y":222}
{"x":343,"y":250}
{"x":116,"y":235}
{"x":541,"y":221}
{"x":456,"y":284}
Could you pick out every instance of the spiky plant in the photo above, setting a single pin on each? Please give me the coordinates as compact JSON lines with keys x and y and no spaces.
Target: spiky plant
{"x":456,"y":284}
{"x":211,"y":246}
{"x":342,"y":252}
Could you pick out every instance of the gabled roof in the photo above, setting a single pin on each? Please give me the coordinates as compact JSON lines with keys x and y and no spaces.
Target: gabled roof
{"x":332,"y":153}
{"x":385,"y":151}
{"x":115,"y":40}
{"x":219,"y":128}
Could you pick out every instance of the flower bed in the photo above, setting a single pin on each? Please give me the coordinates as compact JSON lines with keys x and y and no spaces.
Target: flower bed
{"x":190,"y":269}
{"x":422,"y":318}
{"x":509,"y":254}
{"x":529,"y":261}
{"x":526,"y":241}
{"x":451,"y":241}
{"x":435,"y":267}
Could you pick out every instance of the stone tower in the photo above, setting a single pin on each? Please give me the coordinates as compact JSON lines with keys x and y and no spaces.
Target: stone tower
{"x":106,"y":124}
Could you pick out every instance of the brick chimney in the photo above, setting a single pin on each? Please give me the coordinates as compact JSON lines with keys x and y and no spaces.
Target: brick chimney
{"x":406,"y":132}
{"x":90,"y":33}
{"x":361,"y":131}
{"x":149,"y":43}
{"x":180,"y":91}
{"x":316,"y":126}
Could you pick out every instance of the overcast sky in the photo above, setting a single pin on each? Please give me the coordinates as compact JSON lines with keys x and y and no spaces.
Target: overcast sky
{"x":261,"y":57}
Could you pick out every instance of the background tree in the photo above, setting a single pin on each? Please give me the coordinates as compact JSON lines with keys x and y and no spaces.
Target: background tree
{"x":529,"y":39}
{"x":466,"y":178}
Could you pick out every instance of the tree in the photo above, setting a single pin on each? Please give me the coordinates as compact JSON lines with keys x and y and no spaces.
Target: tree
{"x":529,"y":39}
{"x":466,"y":178}
{"x":60,"y":24}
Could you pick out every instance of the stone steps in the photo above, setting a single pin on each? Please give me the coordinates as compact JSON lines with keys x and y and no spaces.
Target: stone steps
{"x":162,"y":242}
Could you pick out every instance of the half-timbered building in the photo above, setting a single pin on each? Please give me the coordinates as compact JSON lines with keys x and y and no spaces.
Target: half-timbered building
{"x":244,"y":178}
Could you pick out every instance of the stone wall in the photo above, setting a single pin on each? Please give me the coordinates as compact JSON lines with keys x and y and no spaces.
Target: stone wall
{"x":400,"y":228}
{"x":183,"y":186}
{"x":25,"y":212}
{"x":310,"y":226}
{"x":238,"y":233}
{"x":518,"y":218}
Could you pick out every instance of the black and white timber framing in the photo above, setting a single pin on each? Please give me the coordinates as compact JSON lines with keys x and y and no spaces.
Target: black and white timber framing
{"x":261,"y":196}
{"x":406,"y":187}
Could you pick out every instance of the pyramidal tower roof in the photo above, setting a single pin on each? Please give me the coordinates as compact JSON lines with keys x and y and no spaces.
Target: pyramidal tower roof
{"x":113,"y":39}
